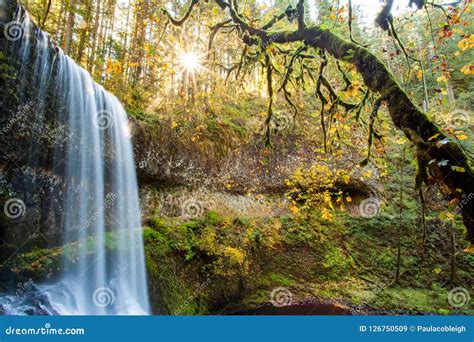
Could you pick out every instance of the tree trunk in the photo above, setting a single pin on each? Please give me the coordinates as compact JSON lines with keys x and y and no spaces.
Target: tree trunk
{"x":69,"y":27}
{"x":93,"y":43}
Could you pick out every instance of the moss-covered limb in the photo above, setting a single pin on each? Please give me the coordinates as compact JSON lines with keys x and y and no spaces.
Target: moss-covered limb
{"x":214,"y":30}
{"x":403,"y":111}
{"x":346,"y":79}
{"x":276,"y":18}
{"x":182,"y":20}
{"x":321,"y":97}
{"x":300,"y":16}
{"x":289,"y":67}
{"x":373,"y":116}
{"x":385,"y":18}
{"x":334,"y":97}
{"x":349,"y":23}
{"x":287,"y":77}
{"x":456,"y":174}
{"x":269,"y":72}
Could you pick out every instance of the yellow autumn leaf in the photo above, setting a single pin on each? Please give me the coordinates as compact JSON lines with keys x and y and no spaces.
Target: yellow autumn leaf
{"x":401,"y":141}
{"x":294,"y":209}
{"x":466,"y":43}
{"x":458,"y":168}
{"x":468,"y":69}
{"x":469,"y":249}
{"x":326,"y":214}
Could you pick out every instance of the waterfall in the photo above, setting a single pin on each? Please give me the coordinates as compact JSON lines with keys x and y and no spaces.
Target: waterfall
{"x":103,"y":268}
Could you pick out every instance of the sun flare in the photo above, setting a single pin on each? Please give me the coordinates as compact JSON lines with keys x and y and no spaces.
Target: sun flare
{"x":190,"y":61}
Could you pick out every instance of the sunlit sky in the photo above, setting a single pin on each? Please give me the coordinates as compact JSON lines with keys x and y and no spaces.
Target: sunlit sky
{"x":367,"y":8}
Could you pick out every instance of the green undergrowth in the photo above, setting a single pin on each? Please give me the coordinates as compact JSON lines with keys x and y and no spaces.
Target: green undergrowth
{"x":40,"y":263}
{"x":221,"y":264}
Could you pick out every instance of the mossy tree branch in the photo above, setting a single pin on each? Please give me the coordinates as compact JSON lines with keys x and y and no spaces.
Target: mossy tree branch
{"x":182,"y":20}
{"x":455,"y":175}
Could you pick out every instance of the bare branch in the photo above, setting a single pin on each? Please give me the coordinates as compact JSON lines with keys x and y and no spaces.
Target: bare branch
{"x":180,"y":22}
{"x":214,"y":30}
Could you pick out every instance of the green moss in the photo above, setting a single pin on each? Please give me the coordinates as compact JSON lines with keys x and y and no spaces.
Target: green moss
{"x":213,"y":218}
{"x":202,"y":266}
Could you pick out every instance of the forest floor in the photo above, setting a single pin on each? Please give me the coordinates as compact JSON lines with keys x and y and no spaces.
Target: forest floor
{"x":232,"y":265}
